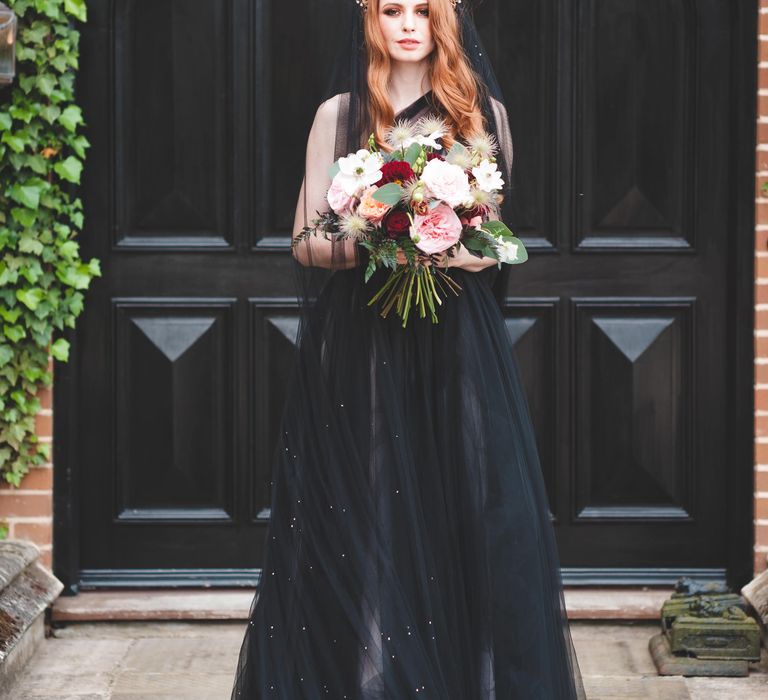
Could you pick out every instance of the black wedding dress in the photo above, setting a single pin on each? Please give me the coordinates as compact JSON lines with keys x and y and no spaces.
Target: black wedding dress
{"x":410,"y":552}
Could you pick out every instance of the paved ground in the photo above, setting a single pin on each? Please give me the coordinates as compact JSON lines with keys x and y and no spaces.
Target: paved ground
{"x":195,"y":661}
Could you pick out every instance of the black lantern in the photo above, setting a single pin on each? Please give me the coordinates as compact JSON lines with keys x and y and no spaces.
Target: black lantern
{"x":7,"y":44}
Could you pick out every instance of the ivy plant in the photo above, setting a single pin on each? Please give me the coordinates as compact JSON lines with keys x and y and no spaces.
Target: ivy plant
{"x":42,"y":276}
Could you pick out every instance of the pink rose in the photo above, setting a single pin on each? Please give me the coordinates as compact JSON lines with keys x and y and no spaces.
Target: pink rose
{"x":446,"y":181}
{"x":339,"y":200}
{"x":437,"y":230}
{"x":372,"y":209}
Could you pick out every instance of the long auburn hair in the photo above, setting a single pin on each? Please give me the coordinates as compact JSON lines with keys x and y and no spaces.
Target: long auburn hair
{"x":455,"y":85}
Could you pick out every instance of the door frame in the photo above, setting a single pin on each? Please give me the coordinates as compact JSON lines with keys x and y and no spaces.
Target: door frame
{"x":739,"y":360}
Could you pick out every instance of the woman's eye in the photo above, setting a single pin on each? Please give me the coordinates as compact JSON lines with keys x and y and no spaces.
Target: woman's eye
{"x":424,"y":13}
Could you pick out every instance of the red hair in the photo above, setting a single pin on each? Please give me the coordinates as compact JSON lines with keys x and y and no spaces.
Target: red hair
{"x":455,"y":85}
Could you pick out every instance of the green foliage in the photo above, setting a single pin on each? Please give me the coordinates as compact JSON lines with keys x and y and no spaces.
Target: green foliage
{"x":42,"y":276}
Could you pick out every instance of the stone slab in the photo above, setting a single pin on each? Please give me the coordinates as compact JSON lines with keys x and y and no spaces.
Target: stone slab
{"x":235,"y":604}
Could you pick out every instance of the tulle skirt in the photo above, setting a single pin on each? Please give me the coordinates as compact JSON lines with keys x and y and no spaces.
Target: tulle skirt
{"x":410,"y":552}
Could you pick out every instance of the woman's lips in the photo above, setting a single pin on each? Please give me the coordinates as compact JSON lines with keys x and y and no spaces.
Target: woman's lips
{"x":408,"y":43}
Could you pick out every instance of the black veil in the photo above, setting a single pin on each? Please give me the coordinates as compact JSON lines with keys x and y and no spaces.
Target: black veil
{"x":410,"y":552}
{"x":342,"y":121}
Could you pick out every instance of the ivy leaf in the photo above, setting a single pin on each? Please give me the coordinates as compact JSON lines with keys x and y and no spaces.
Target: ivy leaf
{"x":6,"y":354}
{"x":79,"y":144}
{"x":69,"y":249}
{"x":71,"y":117}
{"x":14,"y":333}
{"x":69,"y":169}
{"x":77,"y":8}
{"x":60,"y":350}
{"x":28,"y":195}
{"x":5,"y":121}
{"x":50,"y":113}
{"x":16,"y":143}
{"x":46,"y":83}
{"x":30,"y":297}
{"x":29,"y":243}
{"x":26,"y":217}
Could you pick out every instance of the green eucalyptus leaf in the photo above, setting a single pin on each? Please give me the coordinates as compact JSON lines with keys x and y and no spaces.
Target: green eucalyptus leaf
{"x":497,"y":228}
{"x":389,"y":194}
{"x":413,"y":152}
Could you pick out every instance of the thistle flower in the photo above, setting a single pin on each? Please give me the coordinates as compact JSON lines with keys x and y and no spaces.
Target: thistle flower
{"x":427,"y":126}
{"x":354,"y":226}
{"x":484,"y":145}
{"x":460,"y":156}
{"x":397,"y":134}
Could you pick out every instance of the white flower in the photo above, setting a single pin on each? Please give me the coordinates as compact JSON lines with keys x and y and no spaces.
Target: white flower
{"x":485,"y":145}
{"x":353,"y":225}
{"x":488,"y":176}
{"x":360,"y":170}
{"x":446,"y":181}
{"x":430,"y":140}
{"x":506,"y":250}
{"x":460,"y":156}
{"x":400,"y":132}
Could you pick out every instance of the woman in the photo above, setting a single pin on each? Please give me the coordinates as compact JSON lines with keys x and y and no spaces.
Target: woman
{"x":410,"y":552}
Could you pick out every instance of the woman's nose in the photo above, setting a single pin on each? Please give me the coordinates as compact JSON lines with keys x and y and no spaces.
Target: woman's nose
{"x":409,"y":21}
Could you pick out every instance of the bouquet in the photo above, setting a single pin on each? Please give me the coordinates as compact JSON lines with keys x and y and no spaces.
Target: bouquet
{"x":410,"y":205}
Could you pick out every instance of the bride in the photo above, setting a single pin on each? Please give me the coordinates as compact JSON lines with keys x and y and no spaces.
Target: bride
{"x":410,"y":552}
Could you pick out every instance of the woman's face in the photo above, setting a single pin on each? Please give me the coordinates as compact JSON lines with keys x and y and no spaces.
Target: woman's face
{"x":406,"y":30}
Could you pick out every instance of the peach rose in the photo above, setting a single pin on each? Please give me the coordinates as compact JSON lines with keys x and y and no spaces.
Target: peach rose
{"x":371,"y":208}
{"x":437,"y":230}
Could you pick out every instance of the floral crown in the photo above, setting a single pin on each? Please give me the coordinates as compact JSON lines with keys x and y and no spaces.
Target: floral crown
{"x":364,"y":3}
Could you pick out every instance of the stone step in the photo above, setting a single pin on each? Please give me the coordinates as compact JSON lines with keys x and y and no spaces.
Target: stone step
{"x":234,"y":604}
{"x":26,"y":590}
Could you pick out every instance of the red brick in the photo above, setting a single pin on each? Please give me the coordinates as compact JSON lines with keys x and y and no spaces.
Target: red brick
{"x":761,"y":422}
{"x":761,"y":481}
{"x":762,"y":128}
{"x":46,"y":397}
{"x":46,"y":558}
{"x":25,"y":506}
{"x":39,"y":533}
{"x":44,"y":425}
{"x":761,"y":508}
{"x":760,"y":563}
{"x":761,"y":453}
{"x":37,"y":479}
{"x":761,"y":534}
{"x":760,"y":374}
{"x":761,"y":241}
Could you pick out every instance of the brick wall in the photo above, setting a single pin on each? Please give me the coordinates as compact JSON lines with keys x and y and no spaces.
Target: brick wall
{"x":761,"y":304}
{"x":28,"y":511}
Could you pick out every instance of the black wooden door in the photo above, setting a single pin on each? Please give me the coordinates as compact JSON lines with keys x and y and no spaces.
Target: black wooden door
{"x":624,"y":192}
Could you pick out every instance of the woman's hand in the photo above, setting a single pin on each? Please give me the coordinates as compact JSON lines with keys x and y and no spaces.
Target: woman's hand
{"x":465,"y":260}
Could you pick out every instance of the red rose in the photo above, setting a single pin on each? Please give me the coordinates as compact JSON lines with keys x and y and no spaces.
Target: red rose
{"x":395,"y":171}
{"x":433,"y":155}
{"x":396,"y":223}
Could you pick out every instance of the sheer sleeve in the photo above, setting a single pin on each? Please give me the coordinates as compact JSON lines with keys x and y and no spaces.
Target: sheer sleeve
{"x":317,"y":250}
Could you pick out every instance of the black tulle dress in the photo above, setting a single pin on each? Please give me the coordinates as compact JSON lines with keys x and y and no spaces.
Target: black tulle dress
{"x":410,"y":552}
